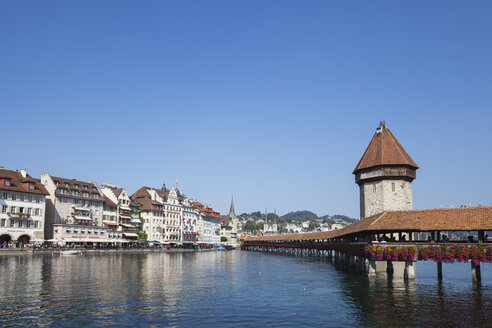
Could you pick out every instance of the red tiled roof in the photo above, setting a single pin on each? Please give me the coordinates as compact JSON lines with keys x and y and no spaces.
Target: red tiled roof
{"x":384,"y":149}
{"x":117,"y":191}
{"x":438,"y":219}
{"x":142,"y":197}
{"x":108,"y":201}
{"x":17,"y":183}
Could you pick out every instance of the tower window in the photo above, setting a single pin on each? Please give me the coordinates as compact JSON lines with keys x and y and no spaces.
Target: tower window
{"x":373,"y":188}
{"x":393,"y":186}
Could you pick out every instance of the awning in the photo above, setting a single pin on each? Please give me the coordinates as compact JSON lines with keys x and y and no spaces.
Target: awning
{"x":130,"y":234}
{"x":127,"y":225}
{"x":77,"y":217}
{"x":110,"y":223}
{"x":82,"y":209}
{"x":135,"y":221}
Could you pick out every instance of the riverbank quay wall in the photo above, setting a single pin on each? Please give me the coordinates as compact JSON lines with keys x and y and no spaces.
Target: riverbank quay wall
{"x":54,"y":251}
{"x":357,"y":244}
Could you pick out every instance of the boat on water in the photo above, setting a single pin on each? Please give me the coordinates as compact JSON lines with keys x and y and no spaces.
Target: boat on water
{"x":221,"y":249}
{"x":70,"y":252}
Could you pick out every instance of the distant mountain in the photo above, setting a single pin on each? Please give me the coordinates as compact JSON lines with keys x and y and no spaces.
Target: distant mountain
{"x":300,"y":215}
{"x":343,"y":218}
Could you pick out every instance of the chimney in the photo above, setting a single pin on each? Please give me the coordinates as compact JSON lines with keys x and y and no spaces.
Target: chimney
{"x":24,"y":172}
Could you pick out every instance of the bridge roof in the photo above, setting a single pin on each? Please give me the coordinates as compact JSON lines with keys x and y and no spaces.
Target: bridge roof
{"x":438,"y":219}
{"x":384,"y":149}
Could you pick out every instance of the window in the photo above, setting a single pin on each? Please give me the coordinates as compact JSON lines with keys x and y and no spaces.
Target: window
{"x":12,"y":223}
{"x":76,"y":186}
{"x":20,"y":224}
{"x":21,"y":210}
{"x":5,"y":195}
{"x":29,"y":198}
{"x":36,"y":211}
{"x":21,"y":197}
{"x":12,"y":209}
{"x":14,"y":196}
{"x":36,"y":224}
{"x":37,"y":199}
{"x":31,"y":186}
{"x":2,"y":223}
{"x":29,"y":211}
{"x":28,"y":224}
{"x":4,"y":209}
{"x":392,"y":186}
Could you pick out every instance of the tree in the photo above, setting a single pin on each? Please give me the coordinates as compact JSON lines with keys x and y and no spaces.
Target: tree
{"x":223,"y":239}
{"x":250,"y":225}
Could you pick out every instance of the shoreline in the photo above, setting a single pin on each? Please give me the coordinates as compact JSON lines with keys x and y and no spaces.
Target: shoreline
{"x":30,"y":252}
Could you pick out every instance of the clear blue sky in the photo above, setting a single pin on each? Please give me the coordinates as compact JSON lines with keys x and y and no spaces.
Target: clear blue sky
{"x":272,"y":101}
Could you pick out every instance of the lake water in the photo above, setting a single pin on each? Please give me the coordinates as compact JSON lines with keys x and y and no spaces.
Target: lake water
{"x":232,"y":289}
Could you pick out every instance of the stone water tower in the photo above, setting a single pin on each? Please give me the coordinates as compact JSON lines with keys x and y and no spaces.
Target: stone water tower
{"x":384,"y":175}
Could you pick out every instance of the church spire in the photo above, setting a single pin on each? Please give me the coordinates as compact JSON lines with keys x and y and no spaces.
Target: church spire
{"x":232,"y":214}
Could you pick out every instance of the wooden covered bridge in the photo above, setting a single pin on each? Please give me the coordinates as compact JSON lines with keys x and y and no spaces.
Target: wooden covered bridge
{"x":373,"y":244}
{"x":391,"y":236}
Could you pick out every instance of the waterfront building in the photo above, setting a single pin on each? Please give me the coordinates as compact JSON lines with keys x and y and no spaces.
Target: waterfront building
{"x":189,"y":222}
{"x":109,"y":213}
{"x":208,"y":225}
{"x":120,"y":198}
{"x":151,"y":203}
{"x":22,"y":205}
{"x":173,"y":213}
{"x":384,"y":175}
{"x":229,"y":225}
{"x":65,"y":234}
{"x":136,"y":219}
{"x":71,"y":202}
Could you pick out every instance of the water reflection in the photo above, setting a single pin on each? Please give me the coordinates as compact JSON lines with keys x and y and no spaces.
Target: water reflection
{"x":240,"y":289}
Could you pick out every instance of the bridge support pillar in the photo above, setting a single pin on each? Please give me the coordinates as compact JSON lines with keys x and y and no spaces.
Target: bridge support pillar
{"x":476,"y":274}
{"x":353,"y":265}
{"x":409,"y":272}
{"x":389,"y":268}
{"x":381,"y":266}
{"x":347,"y":259}
{"x":363,"y":264}
{"x":439,"y":270}
{"x":371,"y":272}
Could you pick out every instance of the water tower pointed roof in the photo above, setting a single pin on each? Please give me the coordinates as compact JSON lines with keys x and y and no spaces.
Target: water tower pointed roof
{"x":384,"y":149}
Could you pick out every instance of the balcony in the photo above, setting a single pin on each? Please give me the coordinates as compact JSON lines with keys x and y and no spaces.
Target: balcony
{"x":22,"y":216}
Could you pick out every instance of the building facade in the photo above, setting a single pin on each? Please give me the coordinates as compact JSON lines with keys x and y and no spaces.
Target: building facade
{"x":174,"y":210}
{"x":123,"y":210}
{"x":229,"y":225}
{"x":22,"y":205}
{"x":71,"y":202}
{"x":208,"y":225}
{"x":189,"y":222}
{"x":152,"y":212}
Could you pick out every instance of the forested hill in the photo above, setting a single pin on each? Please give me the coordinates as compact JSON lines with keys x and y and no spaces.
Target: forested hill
{"x":300,"y":215}
{"x":308,"y":215}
